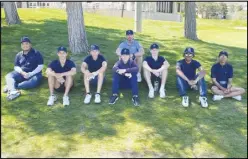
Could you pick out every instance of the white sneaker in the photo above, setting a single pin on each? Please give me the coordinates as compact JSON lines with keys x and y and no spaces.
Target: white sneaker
{"x":239,"y":97}
{"x":87,"y":98}
{"x":217,"y":97}
{"x":203,"y":101}
{"x":97,"y":98}
{"x":51,"y":100}
{"x":162,"y":93}
{"x":151,"y":93}
{"x":5,"y":89}
{"x":66,"y":100}
{"x":139,"y":79}
{"x":185,"y":101}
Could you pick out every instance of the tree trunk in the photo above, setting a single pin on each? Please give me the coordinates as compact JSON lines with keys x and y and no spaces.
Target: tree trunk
{"x":11,"y":13}
{"x":190,"y":21}
{"x":76,"y":31}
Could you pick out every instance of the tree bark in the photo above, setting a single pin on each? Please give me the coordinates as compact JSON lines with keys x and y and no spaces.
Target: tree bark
{"x":190,"y":21}
{"x":76,"y":30}
{"x":11,"y":14}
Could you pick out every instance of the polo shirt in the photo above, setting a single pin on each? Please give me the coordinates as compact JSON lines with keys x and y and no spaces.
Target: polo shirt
{"x":57,"y":68}
{"x":189,"y":69}
{"x":94,"y":65}
{"x":222,"y":73}
{"x":133,"y":47}
{"x":30,"y":61}
{"x":155,"y":64}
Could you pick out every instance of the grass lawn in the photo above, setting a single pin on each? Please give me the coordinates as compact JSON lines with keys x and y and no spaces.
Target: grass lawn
{"x":158,"y":128}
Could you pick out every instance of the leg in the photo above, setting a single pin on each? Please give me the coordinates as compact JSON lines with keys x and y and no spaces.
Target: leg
{"x":87,"y":85}
{"x":134,"y":84}
{"x":202,"y":87}
{"x":100,"y":82}
{"x":115,"y":83}
{"x":163,"y":79}
{"x":182,"y":86}
{"x":147,"y":76}
{"x":139,"y":61}
{"x":235,"y":91}
{"x":32,"y":82}
{"x":68,"y":84}
{"x":12,"y":79}
{"x":216,"y":91}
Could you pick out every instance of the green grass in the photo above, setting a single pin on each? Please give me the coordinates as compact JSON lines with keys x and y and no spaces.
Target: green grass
{"x":158,"y":128}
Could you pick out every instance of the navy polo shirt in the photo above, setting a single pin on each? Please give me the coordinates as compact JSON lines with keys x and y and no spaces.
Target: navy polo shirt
{"x":189,"y":69}
{"x":222,"y":73}
{"x":155,"y":64}
{"x":94,"y":65}
{"x":57,"y":68}
{"x":30,"y":61}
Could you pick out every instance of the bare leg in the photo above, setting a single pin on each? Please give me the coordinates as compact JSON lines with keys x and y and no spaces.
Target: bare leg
{"x":235,"y":91}
{"x":86,"y":84}
{"x":217,"y":91}
{"x":147,"y":76}
{"x":99,"y":82}
{"x":139,"y":61}
{"x":68,"y":84}
{"x":52,"y":84}
{"x":163,"y":79}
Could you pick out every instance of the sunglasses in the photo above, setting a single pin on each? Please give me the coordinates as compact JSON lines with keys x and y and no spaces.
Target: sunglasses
{"x":188,"y":54}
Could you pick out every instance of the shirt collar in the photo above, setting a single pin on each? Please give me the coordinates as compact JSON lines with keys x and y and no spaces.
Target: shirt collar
{"x":30,"y":52}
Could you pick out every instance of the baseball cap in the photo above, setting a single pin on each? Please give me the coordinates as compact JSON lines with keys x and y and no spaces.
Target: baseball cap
{"x":129,"y":32}
{"x":154,"y":46}
{"x":189,"y":50}
{"x":62,"y":48}
{"x":94,"y":47}
{"x":125,"y":51}
{"x":25,"y":39}
{"x":223,"y":53}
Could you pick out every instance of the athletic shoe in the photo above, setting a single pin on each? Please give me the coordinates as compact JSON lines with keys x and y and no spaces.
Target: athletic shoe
{"x":135,"y":100}
{"x":185,"y":101}
{"x":5,"y":89}
{"x":139,"y":79}
{"x":239,"y":97}
{"x":66,"y":100}
{"x":87,"y":98}
{"x":203,"y":101}
{"x":162,"y":93}
{"x":97,"y":98}
{"x":51,"y":100}
{"x":113,"y":99}
{"x":13,"y":94}
{"x":217,"y":97}
{"x":151,"y":93}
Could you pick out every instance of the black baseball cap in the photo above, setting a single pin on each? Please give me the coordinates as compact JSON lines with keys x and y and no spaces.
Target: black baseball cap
{"x":154,"y":46}
{"x":62,"y":48}
{"x":94,"y":47}
{"x":125,"y":51}
{"x":223,"y":53}
{"x":25,"y":39}
{"x":129,"y":32}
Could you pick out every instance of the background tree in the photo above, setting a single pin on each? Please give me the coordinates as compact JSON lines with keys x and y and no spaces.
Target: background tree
{"x":11,"y":14}
{"x":190,"y":21}
{"x":76,"y":30}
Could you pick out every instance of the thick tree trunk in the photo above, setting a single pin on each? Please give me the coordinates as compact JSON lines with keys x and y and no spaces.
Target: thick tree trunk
{"x":76,"y":31}
{"x":11,"y":13}
{"x":190,"y":21}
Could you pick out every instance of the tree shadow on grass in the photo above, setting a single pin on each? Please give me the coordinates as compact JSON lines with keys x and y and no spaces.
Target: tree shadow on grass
{"x":176,"y":130}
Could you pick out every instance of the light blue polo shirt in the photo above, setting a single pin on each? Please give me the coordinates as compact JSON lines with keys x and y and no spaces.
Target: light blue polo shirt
{"x":133,"y":47}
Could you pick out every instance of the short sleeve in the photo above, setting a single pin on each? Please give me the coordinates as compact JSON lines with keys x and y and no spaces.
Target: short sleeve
{"x":51,"y":65}
{"x":103,"y":58}
{"x":162,"y":59}
{"x":213,"y":72}
{"x":146,"y":59}
{"x":197,"y":64}
{"x":138,"y":45}
{"x":230,"y":72}
{"x":178,"y":64}
{"x":39,"y":59}
{"x":72,"y":64}
{"x":17,"y":60}
{"x":86,"y":59}
{"x":122,"y":45}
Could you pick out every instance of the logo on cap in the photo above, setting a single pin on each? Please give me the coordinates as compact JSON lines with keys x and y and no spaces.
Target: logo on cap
{"x":62,"y":48}
{"x":154,"y":46}
{"x":223,"y":53}
{"x":129,"y":32}
{"x":125,"y":51}
{"x":94,"y":47}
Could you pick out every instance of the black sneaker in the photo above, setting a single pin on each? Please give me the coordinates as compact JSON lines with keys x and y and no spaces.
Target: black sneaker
{"x":113,"y":99}
{"x":136,"y":101}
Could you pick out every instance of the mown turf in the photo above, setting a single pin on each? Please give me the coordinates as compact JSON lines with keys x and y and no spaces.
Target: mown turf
{"x":158,"y":128}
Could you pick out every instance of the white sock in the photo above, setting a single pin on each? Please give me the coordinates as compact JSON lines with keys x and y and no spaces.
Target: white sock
{"x":150,"y":87}
{"x":161,"y":88}
{"x":10,"y":84}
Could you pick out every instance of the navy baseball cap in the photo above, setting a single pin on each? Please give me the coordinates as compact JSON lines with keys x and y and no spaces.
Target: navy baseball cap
{"x":154,"y":46}
{"x":62,"y":48}
{"x":125,"y":51}
{"x":94,"y":47}
{"x":189,"y":50}
{"x":129,"y":32}
{"x":25,"y":39}
{"x":223,"y":53}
